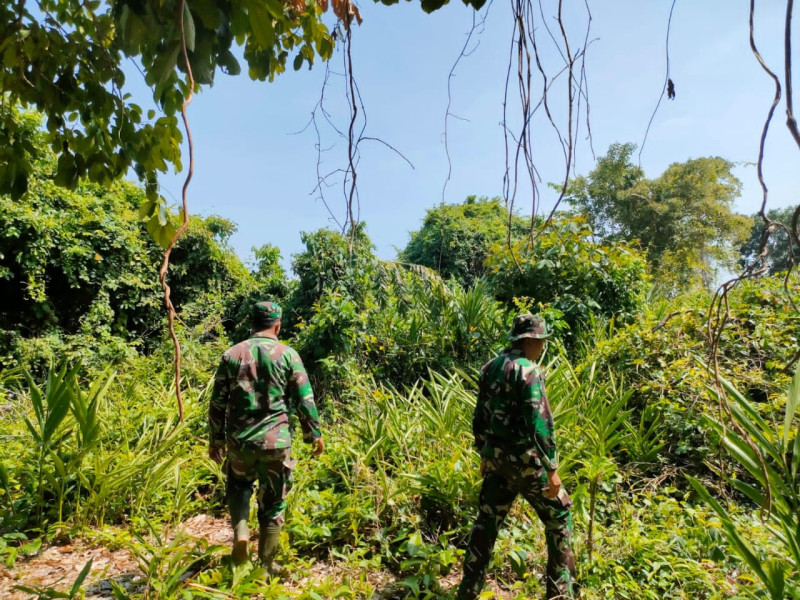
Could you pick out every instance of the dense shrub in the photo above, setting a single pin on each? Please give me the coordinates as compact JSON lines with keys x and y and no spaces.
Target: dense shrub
{"x":663,"y":357}
{"x":565,"y":270}
{"x":455,"y":239}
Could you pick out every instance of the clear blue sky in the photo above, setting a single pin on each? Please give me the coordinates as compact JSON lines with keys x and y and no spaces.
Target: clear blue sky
{"x":250,"y":168}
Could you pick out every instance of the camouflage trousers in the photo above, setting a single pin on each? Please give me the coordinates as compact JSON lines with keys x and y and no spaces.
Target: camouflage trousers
{"x":273,"y":471}
{"x":503,"y":481}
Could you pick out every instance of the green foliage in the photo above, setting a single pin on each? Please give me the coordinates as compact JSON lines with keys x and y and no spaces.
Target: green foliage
{"x":267,"y":281}
{"x":395,"y":321}
{"x":79,"y":272}
{"x":455,"y":239}
{"x":657,"y":356}
{"x":566,"y":271}
{"x":770,"y":455}
{"x":332,"y":262}
{"x":683,"y":219}
{"x":609,"y":196}
{"x":77,"y":81}
{"x":779,"y":247}
{"x":88,"y":460}
{"x":393,"y":350}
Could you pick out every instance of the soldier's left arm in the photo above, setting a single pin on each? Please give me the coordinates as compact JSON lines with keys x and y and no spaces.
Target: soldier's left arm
{"x":537,"y":416}
{"x":303,"y":398}
{"x":480,"y":418}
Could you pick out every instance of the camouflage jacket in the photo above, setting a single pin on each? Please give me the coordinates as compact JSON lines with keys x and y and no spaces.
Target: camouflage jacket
{"x":512,"y":415}
{"x":254,"y":384}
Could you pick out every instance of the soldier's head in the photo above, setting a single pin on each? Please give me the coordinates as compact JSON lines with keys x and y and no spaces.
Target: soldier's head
{"x":529,"y":334}
{"x":266,"y":316}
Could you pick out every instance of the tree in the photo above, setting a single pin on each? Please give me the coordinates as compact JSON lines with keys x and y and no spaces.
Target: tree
{"x":78,"y":267}
{"x":607,"y":198}
{"x":778,"y":256}
{"x":65,"y":57}
{"x":455,"y":239}
{"x":683,"y":219}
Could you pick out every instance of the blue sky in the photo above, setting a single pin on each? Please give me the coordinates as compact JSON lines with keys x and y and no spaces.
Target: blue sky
{"x":253,"y":168}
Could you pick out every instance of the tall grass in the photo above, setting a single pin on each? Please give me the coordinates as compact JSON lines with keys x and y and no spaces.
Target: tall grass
{"x":770,"y":455}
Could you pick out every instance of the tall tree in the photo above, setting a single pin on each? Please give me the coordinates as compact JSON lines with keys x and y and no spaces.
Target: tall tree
{"x":683,"y":219}
{"x":608,"y":196}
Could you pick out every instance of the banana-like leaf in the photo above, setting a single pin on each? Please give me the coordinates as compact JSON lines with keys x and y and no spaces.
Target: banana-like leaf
{"x":792,"y":404}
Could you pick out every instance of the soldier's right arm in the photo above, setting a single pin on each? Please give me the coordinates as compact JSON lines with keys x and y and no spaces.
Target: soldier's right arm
{"x":217,"y":406}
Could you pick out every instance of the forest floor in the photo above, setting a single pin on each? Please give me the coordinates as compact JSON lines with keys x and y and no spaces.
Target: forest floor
{"x":58,"y":566}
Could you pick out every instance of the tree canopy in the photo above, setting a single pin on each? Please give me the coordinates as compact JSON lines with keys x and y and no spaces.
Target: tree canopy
{"x":455,"y":239}
{"x":80,"y":265}
{"x":683,"y":219}
{"x":780,"y":245}
{"x":65,"y":58}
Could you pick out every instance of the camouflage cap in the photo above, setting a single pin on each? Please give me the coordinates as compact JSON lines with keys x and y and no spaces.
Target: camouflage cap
{"x":528,"y":326}
{"x":265,"y":313}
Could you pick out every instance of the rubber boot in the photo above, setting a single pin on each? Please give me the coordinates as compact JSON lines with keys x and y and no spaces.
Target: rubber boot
{"x":268,"y":538}
{"x":241,"y":542}
{"x":239,"y":507}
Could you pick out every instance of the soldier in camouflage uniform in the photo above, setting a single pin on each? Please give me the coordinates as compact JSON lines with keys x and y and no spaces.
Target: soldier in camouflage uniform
{"x":254,"y":385}
{"x":514,"y":434}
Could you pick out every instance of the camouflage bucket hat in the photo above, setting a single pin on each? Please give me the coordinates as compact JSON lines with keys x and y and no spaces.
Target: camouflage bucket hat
{"x":266,"y":312}
{"x":528,"y":326}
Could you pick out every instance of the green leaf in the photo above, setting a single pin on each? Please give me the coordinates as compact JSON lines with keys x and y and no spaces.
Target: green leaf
{"x":792,"y":404}
{"x":275,"y":8}
{"x":262,"y":25}
{"x":162,"y":232}
{"x":188,"y":27}
{"x":228,"y":61}
{"x":147,"y":208}
{"x":741,"y":546}
{"x":81,"y":577}
{"x":4,"y":480}
{"x":298,"y":62}
{"x":775,"y":575}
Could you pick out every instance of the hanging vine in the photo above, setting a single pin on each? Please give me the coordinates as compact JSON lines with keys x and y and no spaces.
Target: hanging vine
{"x":526,"y":58}
{"x":162,"y":274}
{"x":719,"y":310}
{"x":668,"y":88}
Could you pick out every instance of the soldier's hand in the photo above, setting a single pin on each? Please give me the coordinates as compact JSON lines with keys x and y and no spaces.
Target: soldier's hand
{"x":216,"y":453}
{"x":317,"y":447}
{"x":553,"y":484}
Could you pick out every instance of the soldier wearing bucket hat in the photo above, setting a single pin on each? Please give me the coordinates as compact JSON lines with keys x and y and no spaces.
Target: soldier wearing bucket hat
{"x":248,"y":415}
{"x":515,"y":436}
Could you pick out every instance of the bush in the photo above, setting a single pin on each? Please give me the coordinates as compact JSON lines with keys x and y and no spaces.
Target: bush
{"x":565,"y":270}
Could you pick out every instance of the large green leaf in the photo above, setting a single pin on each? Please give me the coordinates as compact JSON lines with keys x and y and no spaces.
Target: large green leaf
{"x":792,"y":404}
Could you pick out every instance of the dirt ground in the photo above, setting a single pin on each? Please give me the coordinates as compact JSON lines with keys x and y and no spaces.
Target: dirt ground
{"x":58,"y":567}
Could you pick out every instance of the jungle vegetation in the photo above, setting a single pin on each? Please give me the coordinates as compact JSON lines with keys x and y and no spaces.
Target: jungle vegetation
{"x":684,"y":487}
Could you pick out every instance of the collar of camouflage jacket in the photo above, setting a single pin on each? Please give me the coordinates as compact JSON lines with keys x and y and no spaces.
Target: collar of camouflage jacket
{"x":265,"y":334}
